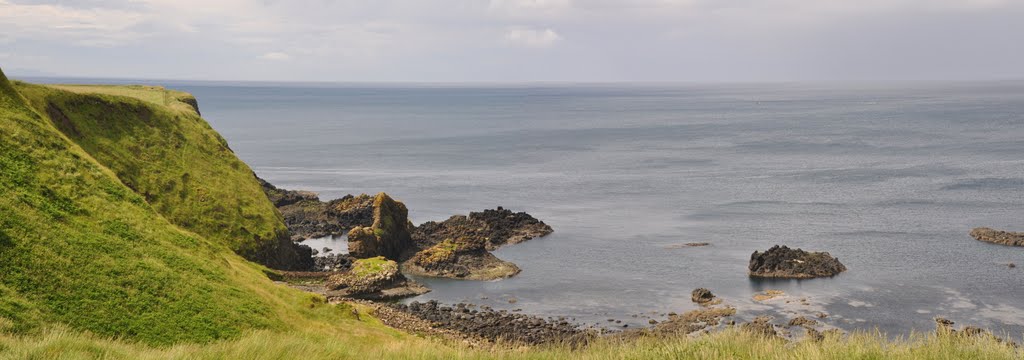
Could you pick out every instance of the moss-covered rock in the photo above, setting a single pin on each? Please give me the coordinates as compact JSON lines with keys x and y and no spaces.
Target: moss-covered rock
{"x":372,"y":278}
{"x":463,"y":258}
{"x":388,"y":236}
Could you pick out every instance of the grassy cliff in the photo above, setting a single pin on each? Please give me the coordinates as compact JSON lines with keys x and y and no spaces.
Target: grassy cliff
{"x":157,"y":145}
{"x":80,"y":248}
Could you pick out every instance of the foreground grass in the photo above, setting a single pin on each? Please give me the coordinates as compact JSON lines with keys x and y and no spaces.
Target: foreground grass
{"x":728,"y":344}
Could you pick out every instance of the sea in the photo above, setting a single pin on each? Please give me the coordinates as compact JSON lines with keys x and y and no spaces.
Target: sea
{"x":887,"y":177}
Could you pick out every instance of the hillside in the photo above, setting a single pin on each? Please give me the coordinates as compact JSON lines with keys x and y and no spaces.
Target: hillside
{"x":79,"y":247}
{"x":156,"y":143}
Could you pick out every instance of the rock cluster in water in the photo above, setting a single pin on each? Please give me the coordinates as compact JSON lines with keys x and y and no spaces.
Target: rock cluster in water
{"x":998,"y":237}
{"x":496,"y":326}
{"x":378,"y":226}
{"x":783,"y":262}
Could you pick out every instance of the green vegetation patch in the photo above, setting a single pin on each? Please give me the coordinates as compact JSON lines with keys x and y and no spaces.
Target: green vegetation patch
{"x":364,"y":268}
{"x":80,"y":249}
{"x":167,"y":155}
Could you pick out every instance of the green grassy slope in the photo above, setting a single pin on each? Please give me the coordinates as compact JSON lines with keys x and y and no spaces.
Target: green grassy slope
{"x":79,"y":248}
{"x":168,"y":154}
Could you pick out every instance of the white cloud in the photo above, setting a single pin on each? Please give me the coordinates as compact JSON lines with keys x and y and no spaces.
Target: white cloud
{"x":90,"y":27}
{"x":275,"y":56}
{"x":532,"y":37}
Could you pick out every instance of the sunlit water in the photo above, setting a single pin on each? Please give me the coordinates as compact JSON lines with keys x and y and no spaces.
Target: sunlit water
{"x":889,"y":178}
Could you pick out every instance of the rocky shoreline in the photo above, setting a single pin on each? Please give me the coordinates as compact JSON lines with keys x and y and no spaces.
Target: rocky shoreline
{"x":384,"y":245}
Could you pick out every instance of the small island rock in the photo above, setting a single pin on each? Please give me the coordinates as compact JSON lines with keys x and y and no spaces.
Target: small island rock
{"x":783,"y":262}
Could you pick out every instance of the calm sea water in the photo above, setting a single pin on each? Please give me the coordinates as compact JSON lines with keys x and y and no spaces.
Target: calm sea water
{"x":889,"y":178}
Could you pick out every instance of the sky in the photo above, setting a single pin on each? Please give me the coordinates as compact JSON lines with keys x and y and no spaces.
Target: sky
{"x":515,"y":40}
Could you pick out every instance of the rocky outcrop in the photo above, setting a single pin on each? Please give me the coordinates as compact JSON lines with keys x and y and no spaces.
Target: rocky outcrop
{"x":307,"y":217}
{"x":373,"y":279}
{"x":464,"y":258}
{"x":284,"y":254}
{"x":702,"y":296}
{"x":497,"y":326}
{"x":998,"y":237}
{"x":495,"y":228}
{"x":388,"y":236}
{"x":783,"y":262}
{"x":506,"y":227}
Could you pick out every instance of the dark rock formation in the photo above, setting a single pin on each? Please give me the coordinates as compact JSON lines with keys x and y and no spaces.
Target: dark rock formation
{"x":388,"y":236}
{"x":333,"y":262}
{"x":494,"y":227}
{"x":783,"y":262}
{"x":998,"y":237}
{"x":464,"y":258}
{"x":497,"y":326}
{"x":374,"y":279}
{"x":307,"y":217}
{"x":283,"y":254}
{"x":506,"y":227}
{"x":702,"y":296}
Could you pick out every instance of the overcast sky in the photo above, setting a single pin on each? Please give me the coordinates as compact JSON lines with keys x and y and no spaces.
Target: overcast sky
{"x":516,"y":40}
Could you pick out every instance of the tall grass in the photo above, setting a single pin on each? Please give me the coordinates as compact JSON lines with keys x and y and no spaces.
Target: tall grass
{"x":728,"y":344}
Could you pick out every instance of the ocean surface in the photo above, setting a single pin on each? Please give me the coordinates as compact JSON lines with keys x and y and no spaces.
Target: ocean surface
{"x":889,"y":178}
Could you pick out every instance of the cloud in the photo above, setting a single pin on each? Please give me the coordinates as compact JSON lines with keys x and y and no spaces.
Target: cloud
{"x":275,"y":56}
{"x":88,"y":27}
{"x":532,"y":37}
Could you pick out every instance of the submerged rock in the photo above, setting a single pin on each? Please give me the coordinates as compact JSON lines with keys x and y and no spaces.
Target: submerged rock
{"x":388,"y":236}
{"x":998,"y":237}
{"x":761,"y":325}
{"x":783,"y":262}
{"x":374,"y":279}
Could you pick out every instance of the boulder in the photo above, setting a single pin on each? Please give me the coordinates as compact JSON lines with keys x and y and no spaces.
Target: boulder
{"x":783,"y":262}
{"x":388,"y":236}
{"x":998,"y":237}
{"x":702,"y":296}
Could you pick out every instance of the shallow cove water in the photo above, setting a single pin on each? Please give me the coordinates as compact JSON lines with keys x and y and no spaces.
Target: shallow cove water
{"x":887,"y":177}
